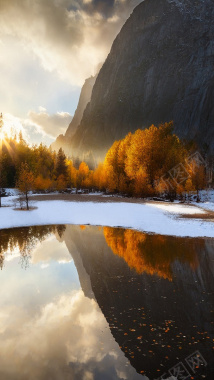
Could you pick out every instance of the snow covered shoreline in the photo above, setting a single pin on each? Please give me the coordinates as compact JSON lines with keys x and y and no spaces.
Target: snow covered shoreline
{"x":164,"y":219}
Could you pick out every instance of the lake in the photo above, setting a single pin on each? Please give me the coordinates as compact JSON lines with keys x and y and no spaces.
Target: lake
{"x":94,"y":303}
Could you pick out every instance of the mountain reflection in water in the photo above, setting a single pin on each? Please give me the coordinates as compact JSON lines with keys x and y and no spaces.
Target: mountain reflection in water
{"x":155,"y":292}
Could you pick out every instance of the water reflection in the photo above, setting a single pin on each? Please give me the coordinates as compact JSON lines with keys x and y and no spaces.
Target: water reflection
{"x":155,"y":294}
{"x":49,"y":328}
{"x":22,"y":240}
{"x":153,"y":254}
{"x":160,"y":307}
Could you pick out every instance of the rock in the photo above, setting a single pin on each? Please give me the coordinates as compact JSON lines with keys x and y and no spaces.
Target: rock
{"x":160,"y":68}
{"x":85,"y":96}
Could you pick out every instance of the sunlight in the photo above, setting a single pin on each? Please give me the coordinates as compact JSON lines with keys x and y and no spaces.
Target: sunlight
{"x":7,"y":131}
{"x":11,"y":127}
{"x":9,"y":149}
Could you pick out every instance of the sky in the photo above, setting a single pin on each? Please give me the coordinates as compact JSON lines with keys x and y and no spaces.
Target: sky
{"x":48,"y":49}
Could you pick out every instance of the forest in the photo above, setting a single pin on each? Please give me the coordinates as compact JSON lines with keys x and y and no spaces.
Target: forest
{"x":150,"y":162}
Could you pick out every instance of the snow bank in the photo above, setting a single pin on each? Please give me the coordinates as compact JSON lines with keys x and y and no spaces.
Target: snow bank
{"x":149,"y":217}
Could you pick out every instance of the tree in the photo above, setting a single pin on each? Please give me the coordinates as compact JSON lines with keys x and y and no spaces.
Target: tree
{"x":61,"y":183}
{"x":111,"y":169}
{"x":61,"y":167}
{"x":1,"y":176}
{"x":1,"y":179}
{"x":99,"y":178}
{"x":141,"y":186}
{"x":72,"y":174}
{"x":199,"y":179}
{"x":82,"y":174}
{"x":189,"y":186}
{"x":42,"y":184}
{"x":25,"y":182}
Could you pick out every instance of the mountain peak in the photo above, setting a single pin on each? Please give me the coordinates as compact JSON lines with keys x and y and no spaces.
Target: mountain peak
{"x":160,"y":68}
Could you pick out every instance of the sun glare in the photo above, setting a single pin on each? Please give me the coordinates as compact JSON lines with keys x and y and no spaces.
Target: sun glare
{"x":10,"y":127}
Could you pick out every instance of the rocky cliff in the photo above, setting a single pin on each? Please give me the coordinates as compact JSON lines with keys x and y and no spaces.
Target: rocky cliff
{"x":160,"y":68}
{"x":64,"y":141}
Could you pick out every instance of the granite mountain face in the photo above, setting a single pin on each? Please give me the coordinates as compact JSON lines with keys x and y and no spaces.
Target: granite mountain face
{"x":64,"y":141}
{"x":160,"y":68}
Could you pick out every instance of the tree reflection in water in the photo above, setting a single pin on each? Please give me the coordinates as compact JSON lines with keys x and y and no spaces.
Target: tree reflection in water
{"x":24,"y":240}
{"x":153,"y":254}
{"x":159,"y":312}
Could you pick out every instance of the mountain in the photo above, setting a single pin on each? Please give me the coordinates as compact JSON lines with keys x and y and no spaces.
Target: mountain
{"x":160,"y":68}
{"x":85,"y":96}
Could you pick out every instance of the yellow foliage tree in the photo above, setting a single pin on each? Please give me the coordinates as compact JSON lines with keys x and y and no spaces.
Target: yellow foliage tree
{"x":42,"y":184}
{"x":82,"y":174}
{"x":72,"y":174}
{"x":61,"y":183}
{"x":141,"y":186}
{"x":110,"y":167}
{"x":154,"y":151}
{"x":99,"y":178}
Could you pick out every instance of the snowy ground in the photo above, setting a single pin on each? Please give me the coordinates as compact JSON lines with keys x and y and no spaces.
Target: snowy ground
{"x":207,"y":200}
{"x":149,"y":217}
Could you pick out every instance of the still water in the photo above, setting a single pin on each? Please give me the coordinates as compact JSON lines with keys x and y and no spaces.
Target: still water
{"x":92,"y":303}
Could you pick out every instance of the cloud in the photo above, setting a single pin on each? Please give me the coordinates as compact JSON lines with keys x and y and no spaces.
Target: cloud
{"x":50,"y":250}
{"x":49,"y":328}
{"x":48,"y":49}
{"x":69,"y":37}
{"x":104,"y":7}
{"x":52,"y":125}
{"x":37,"y":126}
{"x":67,"y":338}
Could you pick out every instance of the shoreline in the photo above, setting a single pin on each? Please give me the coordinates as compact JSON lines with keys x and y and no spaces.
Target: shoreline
{"x":164,"y":218}
{"x":207,"y":215}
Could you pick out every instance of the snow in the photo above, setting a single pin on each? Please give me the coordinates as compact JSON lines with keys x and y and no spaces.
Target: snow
{"x":11,"y":192}
{"x":179,"y":209}
{"x":165,"y":219}
{"x":209,"y":206}
{"x":207,"y":198}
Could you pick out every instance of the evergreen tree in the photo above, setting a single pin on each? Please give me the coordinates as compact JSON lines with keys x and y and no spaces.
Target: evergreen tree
{"x":61,"y":167}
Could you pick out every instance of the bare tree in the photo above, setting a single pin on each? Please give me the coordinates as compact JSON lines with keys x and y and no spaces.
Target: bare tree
{"x":25,"y":182}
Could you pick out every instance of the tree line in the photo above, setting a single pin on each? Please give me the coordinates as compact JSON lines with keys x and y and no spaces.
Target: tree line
{"x":154,"y":162}
{"x":148,"y":162}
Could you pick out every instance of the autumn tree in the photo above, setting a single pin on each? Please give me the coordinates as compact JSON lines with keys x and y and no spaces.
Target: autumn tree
{"x":25,"y":182}
{"x":1,"y":169}
{"x":111,"y":168}
{"x":154,"y":151}
{"x":199,"y":179}
{"x":61,"y":183}
{"x":42,"y":161}
{"x":99,"y":177}
{"x":42,"y":184}
{"x":2,"y":178}
{"x":72,"y":174}
{"x":135,"y":164}
{"x":82,"y":174}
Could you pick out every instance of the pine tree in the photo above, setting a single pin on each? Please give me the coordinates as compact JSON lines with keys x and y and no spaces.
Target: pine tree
{"x":61,"y":167}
